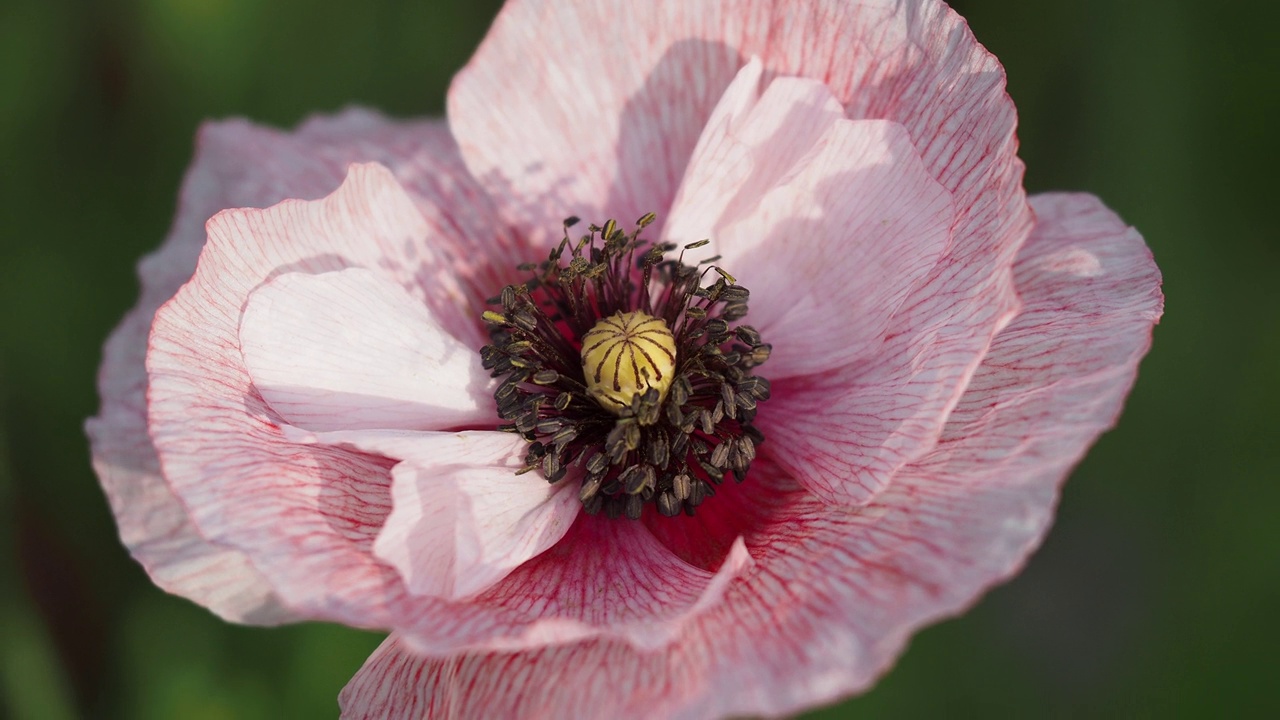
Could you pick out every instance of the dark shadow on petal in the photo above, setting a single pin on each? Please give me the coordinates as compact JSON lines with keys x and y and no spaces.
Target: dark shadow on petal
{"x":661,"y":124}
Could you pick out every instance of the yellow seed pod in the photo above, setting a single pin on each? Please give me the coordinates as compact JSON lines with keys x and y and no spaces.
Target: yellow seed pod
{"x":626,"y":354}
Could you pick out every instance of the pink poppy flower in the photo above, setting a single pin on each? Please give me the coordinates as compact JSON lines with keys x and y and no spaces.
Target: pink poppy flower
{"x":300,"y":417}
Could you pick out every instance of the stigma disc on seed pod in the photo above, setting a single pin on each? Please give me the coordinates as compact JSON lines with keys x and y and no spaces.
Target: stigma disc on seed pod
{"x":626,"y":354}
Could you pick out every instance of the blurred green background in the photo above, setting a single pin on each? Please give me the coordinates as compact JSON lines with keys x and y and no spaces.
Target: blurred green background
{"x":1155,"y":595}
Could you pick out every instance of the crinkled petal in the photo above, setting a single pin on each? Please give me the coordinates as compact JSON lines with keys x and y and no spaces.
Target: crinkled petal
{"x":751,"y":144}
{"x":154,"y":525}
{"x":606,"y":124}
{"x":1059,"y":373}
{"x":523,"y":133}
{"x":241,"y":165}
{"x":604,"y":579}
{"x":305,"y":516}
{"x":847,"y":432}
{"x":466,"y":252}
{"x":308,"y":515}
{"x":352,"y":350}
{"x":461,"y":518}
{"x":835,"y":593}
{"x":830,"y":222}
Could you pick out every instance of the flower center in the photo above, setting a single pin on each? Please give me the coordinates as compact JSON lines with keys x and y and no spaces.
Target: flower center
{"x":626,"y":354}
{"x":623,"y":366}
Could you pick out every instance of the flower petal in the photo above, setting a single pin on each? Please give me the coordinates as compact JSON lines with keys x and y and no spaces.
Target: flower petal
{"x":461,"y":518}
{"x":606,"y":578}
{"x":523,"y":131}
{"x":830,"y":222}
{"x":305,"y":517}
{"x":605,"y":125}
{"x":155,"y":526}
{"x":846,"y":433}
{"x":241,"y":165}
{"x":352,"y":350}
{"x":466,"y":252}
{"x":835,"y":594}
{"x":751,"y":143}
{"x":1091,"y":295}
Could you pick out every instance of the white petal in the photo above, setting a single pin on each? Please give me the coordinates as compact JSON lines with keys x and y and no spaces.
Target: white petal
{"x":830,"y":222}
{"x":461,"y":519}
{"x":352,"y":350}
{"x":751,"y":143}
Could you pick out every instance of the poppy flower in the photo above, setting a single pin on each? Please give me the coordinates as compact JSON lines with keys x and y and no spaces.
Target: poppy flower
{"x":707,"y":352}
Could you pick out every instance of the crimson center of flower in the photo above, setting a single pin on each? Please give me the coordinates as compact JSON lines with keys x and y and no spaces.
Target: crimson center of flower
{"x":626,"y":372}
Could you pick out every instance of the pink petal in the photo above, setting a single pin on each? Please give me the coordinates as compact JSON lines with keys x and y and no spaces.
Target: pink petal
{"x":523,"y":130}
{"x":749,"y":145}
{"x":607,"y":578}
{"x":241,"y":165}
{"x":351,"y":350}
{"x":461,"y":519}
{"x":1091,"y":293}
{"x":833,"y":224}
{"x":154,"y":525}
{"x":846,"y":433}
{"x":306,"y":517}
{"x":830,"y":222}
{"x":466,"y":252}
{"x":606,"y":124}
{"x":835,"y":594}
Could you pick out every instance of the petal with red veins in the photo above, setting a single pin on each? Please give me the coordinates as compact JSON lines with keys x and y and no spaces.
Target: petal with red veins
{"x":606,"y":578}
{"x":605,"y":126}
{"x":1062,"y":368}
{"x":831,"y":223}
{"x":522,"y":131}
{"x":352,"y":350}
{"x":847,"y":432}
{"x":461,"y":518}
{"x":836,"y":593}
{"x":306,"y":517}
{"x":751,"y":144}
{"x":238,"y":164}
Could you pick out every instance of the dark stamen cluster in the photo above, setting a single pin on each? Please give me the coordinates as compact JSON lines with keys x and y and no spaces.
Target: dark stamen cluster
{"x":671,"y":451}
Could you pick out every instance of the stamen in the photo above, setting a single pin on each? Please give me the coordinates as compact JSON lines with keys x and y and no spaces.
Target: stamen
{"x":626,"y":374}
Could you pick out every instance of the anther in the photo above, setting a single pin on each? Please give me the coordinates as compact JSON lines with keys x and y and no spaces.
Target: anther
{"x":668,"y":372}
